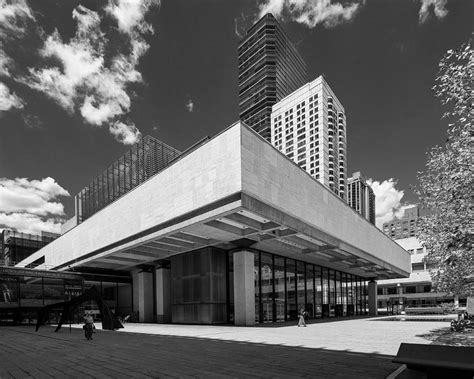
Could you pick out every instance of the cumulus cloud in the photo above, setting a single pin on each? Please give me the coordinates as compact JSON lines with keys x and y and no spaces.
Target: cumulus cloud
{"x":8,"y":100}
{"x":31,"y":205}
{"x":311,"y":12}
{"x":89,"y":75}
{"x":189,"y":105}
{"x":438,"y":7}
{"x":128,"y":134}
{"x":130,"y":15}
{"x":388,"y":203}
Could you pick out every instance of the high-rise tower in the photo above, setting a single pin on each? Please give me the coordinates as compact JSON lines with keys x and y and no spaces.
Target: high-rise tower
{"x":270,"y":68}
{"x":360,"y":196}
{"x":309,"y":127}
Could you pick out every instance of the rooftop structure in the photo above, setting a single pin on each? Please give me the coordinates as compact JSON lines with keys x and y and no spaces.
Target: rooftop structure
{"x":141,"y":162}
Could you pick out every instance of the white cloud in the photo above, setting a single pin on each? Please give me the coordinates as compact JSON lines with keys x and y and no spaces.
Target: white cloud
{"x":5,"y":61}
{"x":87,"y":79}
{"x":311,"y":12}
{"x":13,"y":16}
{"x":28,"y":223}
{"x":8,"y":100}
{"x":438,"y":6}
{"x":130,"y":14}
{"x":31,"y":205}
{"x":127,"y":134}
{"x":189,"y":105}
{"x":387,"y":200}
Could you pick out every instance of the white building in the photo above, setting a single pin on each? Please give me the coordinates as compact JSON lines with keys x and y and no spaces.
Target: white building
{"x":413,"y":294}
{"x":309,"y":126}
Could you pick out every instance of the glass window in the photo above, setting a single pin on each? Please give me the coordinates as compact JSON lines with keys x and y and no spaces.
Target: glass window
{"x":318,"y":291}
{"x":310,"y":304}
{"x":292,"y":312}
{"x":266,"y":309}
{"x":325,"y":292}
{"x":256,"y":271}
{"x":392,"y":290}
{"x":279,"y":280}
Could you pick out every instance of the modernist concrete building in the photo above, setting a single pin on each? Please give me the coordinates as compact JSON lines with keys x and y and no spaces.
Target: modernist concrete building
{"x":405,"y":226}
{"x":360,"y":196}
{"x":270,"y":68}
{"x":309,"y":126}
{"x":233,"y":232}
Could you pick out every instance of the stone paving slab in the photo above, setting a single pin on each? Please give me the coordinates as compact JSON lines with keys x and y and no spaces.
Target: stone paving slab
{"x":362,"y":335}
{"x":45,"y":354}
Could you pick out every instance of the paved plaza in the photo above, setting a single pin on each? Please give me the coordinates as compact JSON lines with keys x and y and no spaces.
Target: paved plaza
{"x":346,"y":348}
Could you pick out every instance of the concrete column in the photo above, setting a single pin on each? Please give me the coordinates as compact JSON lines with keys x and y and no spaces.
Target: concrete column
{"x":373,"y":298}
{"x":163,"y":295}
{"x":143,"y":295}
{"x":244,"y":288}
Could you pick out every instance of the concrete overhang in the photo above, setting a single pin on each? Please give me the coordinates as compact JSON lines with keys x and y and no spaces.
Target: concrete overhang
{"x":235,"y":191}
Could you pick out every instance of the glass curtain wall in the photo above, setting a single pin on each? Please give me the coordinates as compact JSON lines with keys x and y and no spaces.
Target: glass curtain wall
{"x":283,"y":286}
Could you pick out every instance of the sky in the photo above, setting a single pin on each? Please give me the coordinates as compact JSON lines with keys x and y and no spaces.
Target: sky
{"x":81,"y":81}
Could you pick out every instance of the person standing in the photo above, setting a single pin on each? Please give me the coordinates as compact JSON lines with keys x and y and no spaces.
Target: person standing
{"x":88,"y":326}
{"x":301,"y":321}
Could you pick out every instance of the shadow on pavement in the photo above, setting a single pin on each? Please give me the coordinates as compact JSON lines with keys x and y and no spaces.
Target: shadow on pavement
{"x":121,"y":354}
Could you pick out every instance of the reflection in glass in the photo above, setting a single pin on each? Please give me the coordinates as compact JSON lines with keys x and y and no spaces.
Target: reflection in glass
{"x":256,"y":270}
{"x":325,"y":292}
{"x":279,"y":272}
{"x":300,"y":284}
{"x":266,"y":310}
{"x":332,"y":293}
{"x":310,"y":308}
{"x":292,"y":312}
{"x":319,"y":292}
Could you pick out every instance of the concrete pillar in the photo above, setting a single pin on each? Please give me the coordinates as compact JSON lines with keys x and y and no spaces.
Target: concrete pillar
{"x":143,"y":295}
{"x":244,"y":288}
{"x":373,"y":298}
{"x":163,"y":295}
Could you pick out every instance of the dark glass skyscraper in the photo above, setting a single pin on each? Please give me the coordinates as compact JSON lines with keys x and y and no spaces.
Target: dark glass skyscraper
{"x":270,"y":68}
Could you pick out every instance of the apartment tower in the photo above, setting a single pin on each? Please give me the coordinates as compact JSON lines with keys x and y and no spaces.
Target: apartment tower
{"x":360,"y":196}
{"x":403,"y":227}
{"x":309,"y":126}
{"x":270,"y":68}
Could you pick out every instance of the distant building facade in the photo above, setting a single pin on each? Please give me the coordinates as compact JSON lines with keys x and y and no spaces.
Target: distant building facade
{"x":16,"y":246}
{"x":270,"y":68}
{"x":309,"y":127}
{"x":360,"y":196}
{"x":405,"y":226}
{"x":413,"y":293}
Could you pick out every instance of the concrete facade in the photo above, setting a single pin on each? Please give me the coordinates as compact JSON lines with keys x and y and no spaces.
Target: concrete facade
{"x":236,"y":190}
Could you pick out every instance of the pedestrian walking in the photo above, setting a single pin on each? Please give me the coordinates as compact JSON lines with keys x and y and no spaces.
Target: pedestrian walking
{"x":88,"y":326}
{"x":301,"y":321}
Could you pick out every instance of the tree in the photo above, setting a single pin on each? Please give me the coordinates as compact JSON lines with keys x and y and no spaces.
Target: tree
{"x":446,"y":186}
